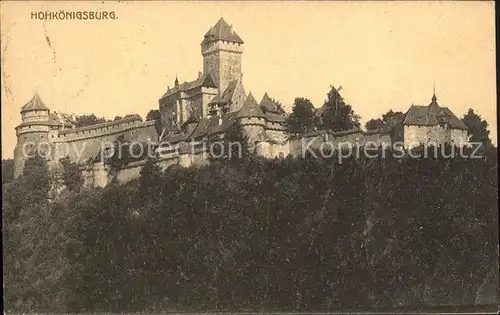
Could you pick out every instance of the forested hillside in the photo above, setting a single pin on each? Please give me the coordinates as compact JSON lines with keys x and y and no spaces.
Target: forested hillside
{"x":253,"y":234}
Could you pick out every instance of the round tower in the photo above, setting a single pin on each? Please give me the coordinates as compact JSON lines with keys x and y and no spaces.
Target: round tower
{"x":33,"y":133}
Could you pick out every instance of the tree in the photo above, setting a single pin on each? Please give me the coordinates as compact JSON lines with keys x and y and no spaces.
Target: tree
{"x":374,"y":124}
{"x":278,"y":105}
{"x":150,"y":177}
{"x":302,"y":118}
{"x":478,"y":128}
{"x":88,"y":120}
{"x":117,"y":118}
{"x":7,"y":170}
{"x":389,"y":115}
{"x":234,"y":146}
{"x":296,"y":234}
{"x":130,"y":115}
{"x":153,"y":114}
{"x":378,"y":123}
{"x":337,"y":114}
{"x":36,"y":176}
{"x":71,"y":175}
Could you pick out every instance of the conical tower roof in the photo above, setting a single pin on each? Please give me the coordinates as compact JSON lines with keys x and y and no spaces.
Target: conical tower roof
{"x":34,"y":104}
{"x":250,"y":108}
{"x":267,"y":104}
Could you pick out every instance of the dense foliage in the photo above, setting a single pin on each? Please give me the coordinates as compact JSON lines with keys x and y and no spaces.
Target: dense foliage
{"x":284,"y":234}
{"x":153,"y":114}
{"x":335,"y":115}
{"x":7,"y":170}
{"x":378,"y":123}
{"x":478,"y":128}
{"x":374,"y":124}
{"x":88,"y":120}
{"x":338,"y":115}
{"x":302,"y":118}
{"x":71,"y":175}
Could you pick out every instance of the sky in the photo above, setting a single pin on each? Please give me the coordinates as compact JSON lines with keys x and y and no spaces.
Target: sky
{"x":385,"y":55}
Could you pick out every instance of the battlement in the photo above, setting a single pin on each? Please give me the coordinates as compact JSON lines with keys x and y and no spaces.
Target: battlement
{"x":102,"y":129}
{"x":221,"y":45}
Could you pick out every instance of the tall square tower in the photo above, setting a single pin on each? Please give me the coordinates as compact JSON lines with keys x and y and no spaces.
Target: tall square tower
{"x":222,"y":49}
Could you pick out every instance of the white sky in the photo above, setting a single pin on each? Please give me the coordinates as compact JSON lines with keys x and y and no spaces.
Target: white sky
{"x":385,"y":55}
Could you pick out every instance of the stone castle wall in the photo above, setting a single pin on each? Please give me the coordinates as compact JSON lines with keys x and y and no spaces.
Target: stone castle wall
{"x":416,"y":135}
{"x":100,"y":174}
{"x":252,"y":127}
{"x":325,"y":141}
{"x":79,"y":144}
{"x":459,"y":136}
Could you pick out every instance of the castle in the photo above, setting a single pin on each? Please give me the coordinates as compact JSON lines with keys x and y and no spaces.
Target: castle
{"x":206,"y":108}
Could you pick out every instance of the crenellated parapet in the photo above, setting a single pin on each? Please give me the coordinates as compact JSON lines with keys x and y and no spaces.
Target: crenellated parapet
{"x":221,"y":45}
{"x":102,"y":129}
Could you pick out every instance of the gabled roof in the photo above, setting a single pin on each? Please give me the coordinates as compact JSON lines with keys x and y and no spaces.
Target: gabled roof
{"x":250,"y":108}
{"x":208,"y":81}
{"x":205,"y":80}
{"x":34,"y":104}
{"x":212,"y":125}
{"x":227,"y":95}
{"x":192,"y":119}
{"x":267,"y":105}
{"x":175,"y":137}
{"x":222,"y":31}
{"x":429,"y":116}
{"x":227,"y":121}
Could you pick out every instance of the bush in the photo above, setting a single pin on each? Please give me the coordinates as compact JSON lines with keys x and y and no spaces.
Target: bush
{"x":264,"y":235}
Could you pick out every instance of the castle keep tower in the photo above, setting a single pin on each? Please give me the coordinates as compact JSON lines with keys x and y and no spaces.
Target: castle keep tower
{"x":218,"y":89}
{"x":33,"y":132}
{"x":221,"y":49}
